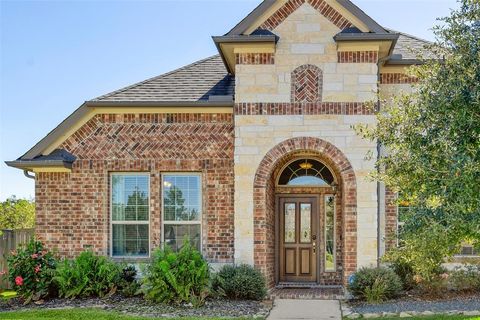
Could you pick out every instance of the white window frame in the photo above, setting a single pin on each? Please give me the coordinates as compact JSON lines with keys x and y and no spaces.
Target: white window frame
{"x":200,"y":194}
{"x":147,"y":174}
{"x":334,"y":232}
{"x":400,"y":224}
{"x":466,"y":256}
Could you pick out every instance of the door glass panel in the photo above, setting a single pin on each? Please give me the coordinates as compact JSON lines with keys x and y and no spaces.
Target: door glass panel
{"x":305,"y":223}
{"x":289,"y":222}
{"x":329,"y":233}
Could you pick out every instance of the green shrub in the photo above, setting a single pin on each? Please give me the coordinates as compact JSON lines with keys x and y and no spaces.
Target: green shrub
{"x":31,"y":269}
{"x":86,"y":276}
{"x":129,"y":286}
{"x":376,"y":293}
{"x":375,"y":284}
{"x":465,"y":279}
{"x":240,"y":282}
{"x":405,"y":271}
{"x":181,"y":277}
{"x":424,"y":252}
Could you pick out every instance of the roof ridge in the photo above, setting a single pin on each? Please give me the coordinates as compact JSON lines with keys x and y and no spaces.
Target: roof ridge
{"x":410,"y":35}
{"x":154,"y":78}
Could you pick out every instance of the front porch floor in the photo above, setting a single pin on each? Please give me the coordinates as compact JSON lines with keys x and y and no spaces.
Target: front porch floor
{"x":299,"y":291}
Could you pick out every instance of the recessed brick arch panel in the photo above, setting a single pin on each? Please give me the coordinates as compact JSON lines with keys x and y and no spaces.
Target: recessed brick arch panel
{"x":307,"y":84}
{"x":264,"y":200}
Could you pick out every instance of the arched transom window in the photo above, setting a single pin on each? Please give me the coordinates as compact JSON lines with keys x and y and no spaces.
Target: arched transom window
{"x":306,"y":172}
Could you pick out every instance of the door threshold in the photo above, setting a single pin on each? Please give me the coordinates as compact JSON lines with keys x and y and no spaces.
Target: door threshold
{"x":304,"y":285}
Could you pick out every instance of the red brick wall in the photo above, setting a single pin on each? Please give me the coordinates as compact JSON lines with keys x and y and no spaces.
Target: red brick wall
{"x":254,"y":58}
{"x":357,"y":57}
{"x":391,"y":216}
{"x":73,"y":208}
{"x":315,"y":108}
{"x":397,"y":78}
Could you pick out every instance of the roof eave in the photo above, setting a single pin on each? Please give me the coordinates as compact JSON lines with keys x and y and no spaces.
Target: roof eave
{"x":404,"y":62}
{"x":243,"y":25}
{"x":218,"y":40}
{"x":360,"y":14}
{"x":33,"y":164}
{"x":152,"y":104}
{"x":366,"y":36}
{"x":244,"y":38}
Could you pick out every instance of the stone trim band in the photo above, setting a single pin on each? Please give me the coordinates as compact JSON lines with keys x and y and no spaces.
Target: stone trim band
{"x":254,"y":58}
{"x":357,"y":57}
{"x":331,"y":108}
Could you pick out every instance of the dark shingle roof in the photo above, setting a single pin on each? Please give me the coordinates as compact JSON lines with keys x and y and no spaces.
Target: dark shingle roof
{"x":57,"y":155}
{"x":409,"y":47}
{"x":195,"y":82}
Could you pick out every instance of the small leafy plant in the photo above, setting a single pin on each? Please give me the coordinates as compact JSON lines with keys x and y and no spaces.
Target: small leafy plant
{"x":181,"y":277}
{"x":128,"y":281}
{"x":376,"y":293}
{"x":87,"y":275}
{"x":240,"y":282}
{"x":465,"y":279}
{"x":31,"y":269}
{"x":375,"y":284}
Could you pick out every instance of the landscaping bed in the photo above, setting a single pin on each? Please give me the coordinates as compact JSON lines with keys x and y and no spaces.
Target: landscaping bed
{"x":140,"y":307}
{"x":449,"y":304}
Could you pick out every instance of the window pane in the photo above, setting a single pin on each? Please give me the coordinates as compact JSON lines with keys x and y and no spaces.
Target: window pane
{"x":130,"y":202}
{"x":307,"y":172}
{"x":142,"y":213}
{"x":130,"y":240}
{"x":329,"y":233}
{"x":305,"y":223}
{"x":128,"y":194}
{"x":289,"y":222}
{"x":181,"y":198}
{"x":175,"y":235}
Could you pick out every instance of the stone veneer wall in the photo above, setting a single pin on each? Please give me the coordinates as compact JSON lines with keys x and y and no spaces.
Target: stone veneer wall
{"x":306,"y":37}
{"x":265,"y":117}
{"x":73,"y":208}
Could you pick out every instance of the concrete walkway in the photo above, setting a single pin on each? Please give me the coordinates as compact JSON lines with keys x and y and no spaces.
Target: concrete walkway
{"x":305,"y":309}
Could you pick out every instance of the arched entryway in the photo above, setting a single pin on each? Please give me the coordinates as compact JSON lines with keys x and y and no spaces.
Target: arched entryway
{"x":334,"y":192}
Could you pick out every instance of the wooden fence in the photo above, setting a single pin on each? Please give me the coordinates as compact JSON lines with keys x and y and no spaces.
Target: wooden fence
{"x":11,"y":240}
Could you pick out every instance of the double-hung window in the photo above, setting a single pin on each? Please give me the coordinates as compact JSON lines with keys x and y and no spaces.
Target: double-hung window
{"x":130,"y":199}
{"x":182,"y":210}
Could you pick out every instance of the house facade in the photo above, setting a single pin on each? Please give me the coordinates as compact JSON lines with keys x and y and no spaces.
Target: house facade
{"x":249,"y":154}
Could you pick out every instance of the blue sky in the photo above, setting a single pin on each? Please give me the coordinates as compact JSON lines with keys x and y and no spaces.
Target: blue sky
{"x":54,"y":55}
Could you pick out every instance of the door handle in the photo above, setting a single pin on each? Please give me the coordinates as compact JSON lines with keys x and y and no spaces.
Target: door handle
{"x":314,"y":246}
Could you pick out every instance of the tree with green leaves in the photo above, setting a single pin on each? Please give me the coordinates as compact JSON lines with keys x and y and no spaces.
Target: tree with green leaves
{"x":17,"y":213}
{"x":432,"y":136}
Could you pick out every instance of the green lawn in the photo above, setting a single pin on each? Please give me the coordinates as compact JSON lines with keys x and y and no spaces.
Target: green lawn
{"x":77,"y":314}
{"x":436,"y":318}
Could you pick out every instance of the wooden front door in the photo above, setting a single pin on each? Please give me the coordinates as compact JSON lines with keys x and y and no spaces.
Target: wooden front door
{"x":298,"y":234}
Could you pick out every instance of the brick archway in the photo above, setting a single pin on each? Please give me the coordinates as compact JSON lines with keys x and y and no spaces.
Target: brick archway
{"x":264,"y":201}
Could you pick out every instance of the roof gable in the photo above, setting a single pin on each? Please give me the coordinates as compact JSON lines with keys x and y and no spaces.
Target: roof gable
{"x":329,"y":8}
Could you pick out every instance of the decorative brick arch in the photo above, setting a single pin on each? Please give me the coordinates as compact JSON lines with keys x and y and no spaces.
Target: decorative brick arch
{"x":264,"y":200}
{"x":307,"y":84}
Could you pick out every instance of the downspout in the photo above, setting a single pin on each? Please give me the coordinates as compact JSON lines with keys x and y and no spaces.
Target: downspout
{"x":28,"y":175}
{"x":380,"y":186}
